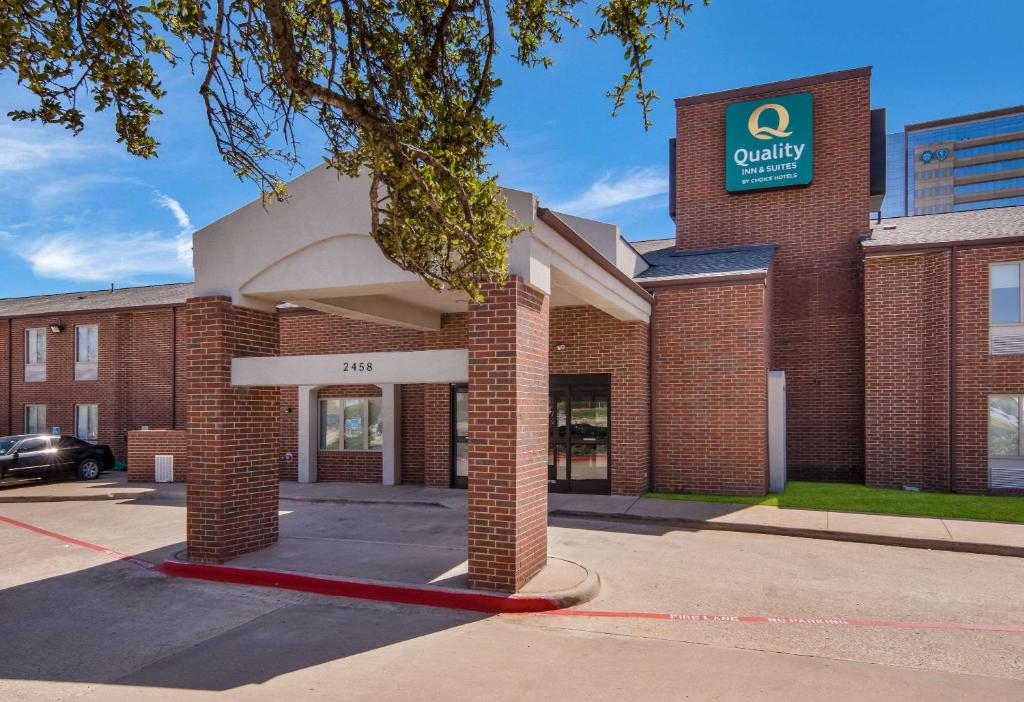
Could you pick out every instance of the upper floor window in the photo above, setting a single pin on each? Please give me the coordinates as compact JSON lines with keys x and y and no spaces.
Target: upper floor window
{"x":87,"y":351}
{"x":1005,"y":300}
{"x":35,"y":355}
{"x":1006,"y":309}
{"x":351,"y":424}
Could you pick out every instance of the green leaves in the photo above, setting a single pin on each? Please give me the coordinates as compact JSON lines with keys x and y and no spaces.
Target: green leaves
{"x":63,"y":50}
{"x":398,"y":90}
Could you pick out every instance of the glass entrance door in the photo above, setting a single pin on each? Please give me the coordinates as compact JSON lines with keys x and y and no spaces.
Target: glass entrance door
{"x":460,"y":436}
{"x":579,"y":421}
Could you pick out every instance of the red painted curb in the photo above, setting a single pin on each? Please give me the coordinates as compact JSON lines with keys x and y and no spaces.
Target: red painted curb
{"x":403,"y":594}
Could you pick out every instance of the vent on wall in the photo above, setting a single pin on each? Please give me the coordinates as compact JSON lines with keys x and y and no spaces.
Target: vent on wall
{"x":1006,"y":341}
{"x":1006,"y":473}
{"x":163,"y":471}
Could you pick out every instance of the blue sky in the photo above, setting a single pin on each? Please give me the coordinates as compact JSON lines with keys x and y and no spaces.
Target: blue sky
{"x":81,"y":214}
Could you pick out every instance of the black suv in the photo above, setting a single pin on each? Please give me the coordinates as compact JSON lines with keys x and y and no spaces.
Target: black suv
{"x":43,"y":455}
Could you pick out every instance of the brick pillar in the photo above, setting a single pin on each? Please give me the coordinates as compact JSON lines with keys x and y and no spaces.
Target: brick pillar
{"x":233,"y":433}
{"x":508,"y":401}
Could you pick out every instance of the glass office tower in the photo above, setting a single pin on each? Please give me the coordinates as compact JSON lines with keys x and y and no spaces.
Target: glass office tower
{"x":961,"y":163}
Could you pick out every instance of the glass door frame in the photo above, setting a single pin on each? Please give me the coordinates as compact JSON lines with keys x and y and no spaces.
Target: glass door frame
{"x":456,"y":481}
{"x":564,"y":385}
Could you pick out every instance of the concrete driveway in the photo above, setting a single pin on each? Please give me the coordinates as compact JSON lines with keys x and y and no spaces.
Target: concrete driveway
{"x":77,"y":625}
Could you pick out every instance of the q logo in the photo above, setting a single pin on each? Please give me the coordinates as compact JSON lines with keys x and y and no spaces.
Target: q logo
{"x":942,"y":153}
{"x":926,"y":156}
{"x":759,"y":131}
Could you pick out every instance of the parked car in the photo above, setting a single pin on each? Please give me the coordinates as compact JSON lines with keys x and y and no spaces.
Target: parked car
{"x":43,"y":455}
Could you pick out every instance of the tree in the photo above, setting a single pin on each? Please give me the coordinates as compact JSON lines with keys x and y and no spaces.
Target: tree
{"x":398,"y":88}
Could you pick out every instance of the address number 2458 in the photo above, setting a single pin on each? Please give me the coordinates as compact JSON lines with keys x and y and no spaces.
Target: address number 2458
{"x":357,"y":366}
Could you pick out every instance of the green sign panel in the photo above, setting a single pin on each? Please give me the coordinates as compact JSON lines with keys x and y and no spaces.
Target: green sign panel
{"x":769,"y":143}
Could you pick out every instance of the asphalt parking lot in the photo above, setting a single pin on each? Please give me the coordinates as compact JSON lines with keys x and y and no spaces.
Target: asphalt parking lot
{"x":78,"y":624}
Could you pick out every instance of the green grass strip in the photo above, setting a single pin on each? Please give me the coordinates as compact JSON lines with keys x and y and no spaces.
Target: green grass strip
{"x":845,"y":497}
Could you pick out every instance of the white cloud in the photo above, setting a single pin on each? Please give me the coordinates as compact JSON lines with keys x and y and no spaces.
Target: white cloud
{"x":29,"y":148}
{"x":180,"y":215}
{"x":183,"y":241}
{"x":606,"y":193}
{"x":81,"y":253}
{"x":106,"y":257}
{"x":54,"y":193}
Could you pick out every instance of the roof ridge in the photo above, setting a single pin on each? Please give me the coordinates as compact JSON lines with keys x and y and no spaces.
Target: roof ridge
{"x":99,"y":290}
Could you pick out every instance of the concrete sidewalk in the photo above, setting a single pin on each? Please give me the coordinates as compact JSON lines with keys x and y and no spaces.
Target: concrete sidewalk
{"x":998,"y":538}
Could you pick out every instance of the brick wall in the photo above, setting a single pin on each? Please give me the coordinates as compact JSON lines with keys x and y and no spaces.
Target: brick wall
{"x":140,"y":378}
{"x":978,"y":374}
{"x":817,"y":306}
{"x":6,"y":403}
{"x":598,"y":343}
{"x":233,"y":433}
{"x":711,"y":417}
{"x":907,"y":385}
{"x":413,"y":434}
{"x":144,"y":446}
{"x":508,"y":443}
{"x":906,"y":303}
{"x":425,"y":408}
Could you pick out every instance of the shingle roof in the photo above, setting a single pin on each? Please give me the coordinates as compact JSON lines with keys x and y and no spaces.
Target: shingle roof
{"x":669,"y":264}
{"x":145,"y":296}
{"x":643,"y":247}
{"x":949,"y":227}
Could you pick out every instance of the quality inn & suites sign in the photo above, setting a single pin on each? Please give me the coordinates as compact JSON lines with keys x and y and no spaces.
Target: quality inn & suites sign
{"x":769,"y":143}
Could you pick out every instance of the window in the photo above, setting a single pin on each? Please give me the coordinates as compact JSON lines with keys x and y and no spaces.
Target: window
{"x":33,"y":445}
{"x":351,"y":424}
{"x":87,"y":351}
{"x":87,"y":422}
{"x":1005,"y":453}
{"x":35,"y":419}
{"x":1004,"y":426}
{"x":35,"y":355}
{"x":1006,"y":329}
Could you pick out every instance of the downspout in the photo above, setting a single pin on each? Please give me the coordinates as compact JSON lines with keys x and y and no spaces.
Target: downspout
{"x":10,"y":377}
{"x":174,"y":368}
{"x":952,"y":368}
{"x":652,"y":393}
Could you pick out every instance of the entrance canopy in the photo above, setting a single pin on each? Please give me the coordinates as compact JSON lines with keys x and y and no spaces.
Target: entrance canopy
{"x":315,"y":251}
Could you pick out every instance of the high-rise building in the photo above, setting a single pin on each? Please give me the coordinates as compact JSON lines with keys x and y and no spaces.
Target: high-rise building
{"x":960,"y":163}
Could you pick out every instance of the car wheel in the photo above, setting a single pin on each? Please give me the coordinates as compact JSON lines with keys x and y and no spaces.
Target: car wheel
{"x":89,"y":469}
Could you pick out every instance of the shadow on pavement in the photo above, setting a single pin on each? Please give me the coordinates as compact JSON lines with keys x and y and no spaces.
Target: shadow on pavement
{"x":118,"y":623}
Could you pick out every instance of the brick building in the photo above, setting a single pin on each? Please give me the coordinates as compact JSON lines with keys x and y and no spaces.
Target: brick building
{"x":600,"y":366}
{"x":94,"y":364}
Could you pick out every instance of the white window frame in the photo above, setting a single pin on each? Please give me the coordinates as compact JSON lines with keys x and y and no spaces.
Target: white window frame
{"x":1020,"y":297}
{"x":1006,"y":338}
{"x":35,"y":367}
{"x":1020,"y":425}
{"x":41,"y":424}
{"x":1005,"y":471}
{"x":87,"y":368}
{"x":96,"y":412}
{"x":365,"y":401}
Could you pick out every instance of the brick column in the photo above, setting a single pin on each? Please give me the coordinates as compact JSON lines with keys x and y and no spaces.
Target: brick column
{"x":508,"y":400}
{"x":233,"y":433}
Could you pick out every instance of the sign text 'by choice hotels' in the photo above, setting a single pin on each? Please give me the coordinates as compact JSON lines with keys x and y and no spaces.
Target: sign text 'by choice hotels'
{"x":769,"y":143}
